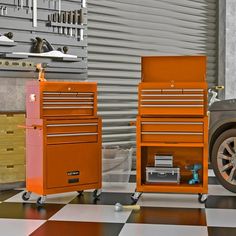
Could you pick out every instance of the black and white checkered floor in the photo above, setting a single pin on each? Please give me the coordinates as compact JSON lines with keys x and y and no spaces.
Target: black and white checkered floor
{"x":160,"y":214}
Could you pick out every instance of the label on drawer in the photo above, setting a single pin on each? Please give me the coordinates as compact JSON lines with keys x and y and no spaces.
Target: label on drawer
{"x":72,"y":173}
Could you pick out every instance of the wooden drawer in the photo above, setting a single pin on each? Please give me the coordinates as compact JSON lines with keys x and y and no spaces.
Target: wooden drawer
{"x":72,"y":126}
{"x":12,"y":173}
{"x":172,"y":125}
{"x":12,"y":136}
{"x":12,"y":155}
{"x":9,"y":119}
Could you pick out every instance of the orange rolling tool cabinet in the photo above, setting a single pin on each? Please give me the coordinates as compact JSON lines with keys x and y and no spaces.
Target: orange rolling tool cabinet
{"x":172,"y":126}
{"x":63,"y":138}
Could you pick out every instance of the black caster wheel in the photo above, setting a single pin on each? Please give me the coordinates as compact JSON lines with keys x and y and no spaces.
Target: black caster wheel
{"x":135,"y":196}
{"x":97,"y":193}
{"x":80,"y":193}
{"x":26,"y":196}
{"x":202,"y":198}
{"x":40,"y":201}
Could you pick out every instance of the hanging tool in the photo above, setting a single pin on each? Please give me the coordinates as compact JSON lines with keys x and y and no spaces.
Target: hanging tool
{"x":35,"y":13}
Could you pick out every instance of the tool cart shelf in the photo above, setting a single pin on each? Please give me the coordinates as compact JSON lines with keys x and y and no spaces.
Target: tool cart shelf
{"x":172,"y":123}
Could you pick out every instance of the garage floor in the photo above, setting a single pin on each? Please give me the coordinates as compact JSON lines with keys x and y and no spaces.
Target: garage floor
{"x":160,"y":214}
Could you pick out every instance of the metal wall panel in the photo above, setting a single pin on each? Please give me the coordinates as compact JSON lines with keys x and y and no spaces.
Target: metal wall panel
{"x":19,"y":20}
{"x":122,"y":31}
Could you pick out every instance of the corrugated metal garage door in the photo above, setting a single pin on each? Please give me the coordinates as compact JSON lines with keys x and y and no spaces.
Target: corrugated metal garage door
{"x":121,"y":31}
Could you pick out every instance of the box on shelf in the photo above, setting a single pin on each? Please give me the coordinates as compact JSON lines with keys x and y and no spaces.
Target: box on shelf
{"x":162,"y":175}
{"x":116,"y":164}
{"x":163,"y":160}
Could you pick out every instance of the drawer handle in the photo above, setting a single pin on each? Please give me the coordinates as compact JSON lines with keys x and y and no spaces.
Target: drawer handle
{"x":71,"y":135}
{"x":172,"y":106}
{"x":72,"y":125}
{"x":172,"y":100}
{"x":71,"y":107}
{"x":10,"y":132}
{"x":10,"y":166}
{"x":30,"y":126}
{"x":172,"y":95}
{"x":172,"y":133}
{"x":10,"y":149}
{"x":171,"y":123}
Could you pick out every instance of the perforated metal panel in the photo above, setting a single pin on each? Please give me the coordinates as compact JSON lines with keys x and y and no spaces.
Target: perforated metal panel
{"x":122,"y":31}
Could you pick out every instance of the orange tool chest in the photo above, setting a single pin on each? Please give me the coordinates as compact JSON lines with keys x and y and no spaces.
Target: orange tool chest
{"x":63,"y":138}
{"x":172,"y":119}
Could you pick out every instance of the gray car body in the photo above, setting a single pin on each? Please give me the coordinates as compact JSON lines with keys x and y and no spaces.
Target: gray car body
{"x":222,"y":117}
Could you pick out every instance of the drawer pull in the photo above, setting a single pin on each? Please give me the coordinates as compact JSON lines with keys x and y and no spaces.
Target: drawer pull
{"x":74,"y":107}
{"x":10,"y":166}
{"x":66,"y":93}
{"x":72,"y":125}
{"x":171,"y":123}
{"x":172,"y":95}
{"x":10,"y":132}
{"x":173,"y":133}
{"x":68,"y":98}
{"x":10,"y":149}
{"x":172,"y":100}
{"x":67,"y":103}
{"x":71,"y":135}
{"x":172,"y":106}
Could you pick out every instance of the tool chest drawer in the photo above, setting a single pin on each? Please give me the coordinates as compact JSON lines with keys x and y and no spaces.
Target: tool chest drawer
{"x":172,"y":125}
{"x":178,"y":101}
{"x":171,"y":130}
{"x":72,"y":131}
{"x":66,"y":126}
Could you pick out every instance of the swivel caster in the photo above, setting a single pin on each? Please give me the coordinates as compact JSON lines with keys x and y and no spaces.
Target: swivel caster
{"x":40,"y":201}
{"x":97,"y":193}
{"x":80,"y":193}
{"x":135,"y":196}
{"x":26,"y":196}
{"x":202,"y":198}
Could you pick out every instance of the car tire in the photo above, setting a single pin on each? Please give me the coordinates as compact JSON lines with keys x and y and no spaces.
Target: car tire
{"x":223,"y":159}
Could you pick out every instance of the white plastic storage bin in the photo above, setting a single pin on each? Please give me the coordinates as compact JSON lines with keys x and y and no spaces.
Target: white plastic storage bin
{"x":116,"y":164}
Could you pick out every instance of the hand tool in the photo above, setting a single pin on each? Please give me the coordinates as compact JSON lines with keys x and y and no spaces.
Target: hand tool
{"x":35,"y":13}
{"x":119,"y":207}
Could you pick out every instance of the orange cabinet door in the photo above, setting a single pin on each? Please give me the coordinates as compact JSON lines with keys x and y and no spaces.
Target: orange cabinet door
{"x":72,"y":164}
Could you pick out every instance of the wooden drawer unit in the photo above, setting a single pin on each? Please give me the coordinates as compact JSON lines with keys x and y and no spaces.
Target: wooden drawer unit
{"x":171,"y":130}
{"x":12,"y":148}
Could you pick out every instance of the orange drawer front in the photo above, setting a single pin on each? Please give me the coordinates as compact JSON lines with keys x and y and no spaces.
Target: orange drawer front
{"x":172,"y":137}
{"x":74,"y":126}
{"x":172,"y":126}
{"x":83,"y":137}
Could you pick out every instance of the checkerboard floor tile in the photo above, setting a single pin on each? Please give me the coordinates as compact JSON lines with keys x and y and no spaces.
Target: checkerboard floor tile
{"x":160,"y":214}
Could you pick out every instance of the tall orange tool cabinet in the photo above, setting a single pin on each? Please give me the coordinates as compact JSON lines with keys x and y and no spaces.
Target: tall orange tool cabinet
{"x":172,"y":121}
{"x":63,"y":138}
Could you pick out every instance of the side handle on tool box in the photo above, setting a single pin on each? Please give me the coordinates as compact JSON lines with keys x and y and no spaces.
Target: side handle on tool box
{"x":30,"y":126}
{"x":132,"y":123}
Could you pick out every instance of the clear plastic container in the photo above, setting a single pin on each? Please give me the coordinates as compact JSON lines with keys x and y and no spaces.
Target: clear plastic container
{"x":116,"y":164}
